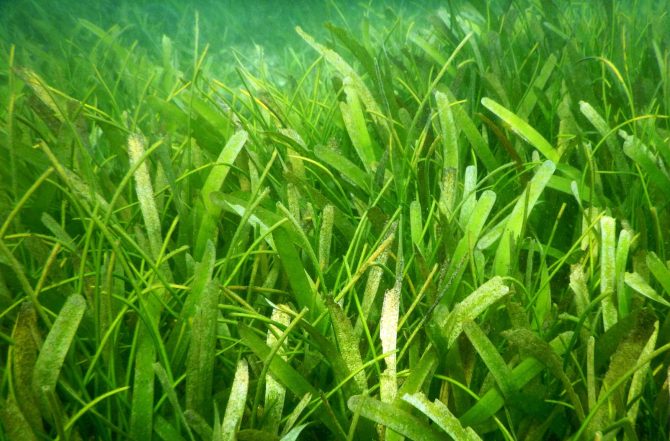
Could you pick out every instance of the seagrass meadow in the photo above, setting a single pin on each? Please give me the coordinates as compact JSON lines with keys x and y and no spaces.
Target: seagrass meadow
{"x":329,"y":220}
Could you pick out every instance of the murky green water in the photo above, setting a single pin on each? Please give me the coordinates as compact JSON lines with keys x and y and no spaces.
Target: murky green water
{"x":244,"y":26}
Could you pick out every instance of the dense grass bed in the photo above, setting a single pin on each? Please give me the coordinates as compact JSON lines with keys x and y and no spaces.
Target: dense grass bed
{"x":232,"y":222}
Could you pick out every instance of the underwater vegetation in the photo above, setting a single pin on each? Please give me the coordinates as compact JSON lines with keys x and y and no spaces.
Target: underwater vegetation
{"x":335,"y":221}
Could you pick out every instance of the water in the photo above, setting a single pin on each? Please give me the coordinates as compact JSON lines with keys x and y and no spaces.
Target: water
{"x":226,"y":26}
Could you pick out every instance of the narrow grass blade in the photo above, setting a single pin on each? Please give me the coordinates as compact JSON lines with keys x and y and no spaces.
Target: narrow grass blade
{"x":659,"y":270}
{"x":171,"y":393}
{"x":202,"y":275}
{"x":473,"y":305}
{"x":580,"y":191}
{"x":141,"y":420}
{"x":523,"y":129}
{"x":202,"y":427}
{"x":469,"y":195}
{"x":639,"y":285}
{"x":416,"y":223}
{"x":90,"y":405}
{"x":542,"y":304}
{"x":355,"y":47}
{"x":24,"y":356}
{"x":178,"y":343}
{"x":220,"y":124}
{"x":388,"y":334}
{"x":354,"y":122}
{"x":450,"y":159}
{"x":334,"y":59}
{"x":166,"y":431}
{"x":448,"y":192}
{"x":471,"y":132}
{"x":275,"y":392}
{"x":492,"y":359}
{"x":56,"y":410}
{"x":347,"y":344}
{"x":58,"y":232}
{"x":326,"y":236}
{"x":591,"y":372}
{"x":531,"y":344}
{"x":434,"y":53}
{"x":306,"y":297}
{"x":236,"y":403}
{"x":590,"y":228}
{"x":289,"y":377}
{"x":640,"y":377}
{"x":210,"y":213}
{"x":466,"y":245}
{"x":449,"y":132}
{"x":348,"y":170}
{"x":492,"y":235}
{"x":141,"y":412}
{"x":623,"y":295}
{"x":579,"y":287}
{"x":628,"y":353}
{"x":375,"y":276}
{"x":329,"y":351}
{"x":145,"y":192}
{"x":599,"y":123}
{"x":292,"y":418}
{"x":80,"y":188}
{"x":301,"y":238}
{"x":492,"y":401}
{"x":202,"y":351}
{"x":14,"y":424}
{"x":607,"y":270}
{"x":420,"y":373}
{"x":293,"y":196}
{"x":294,"y":139}
{"x":294,"y":433}
{"x":250,"y":211}
{"x":520,"y":212}
{"x":648,"y":162}
{"x":56,"y":346}
{"x":393,"y":417}
{"x":530,"y":99}
{"x":42,"y":92}
{"x":442,"y":416}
